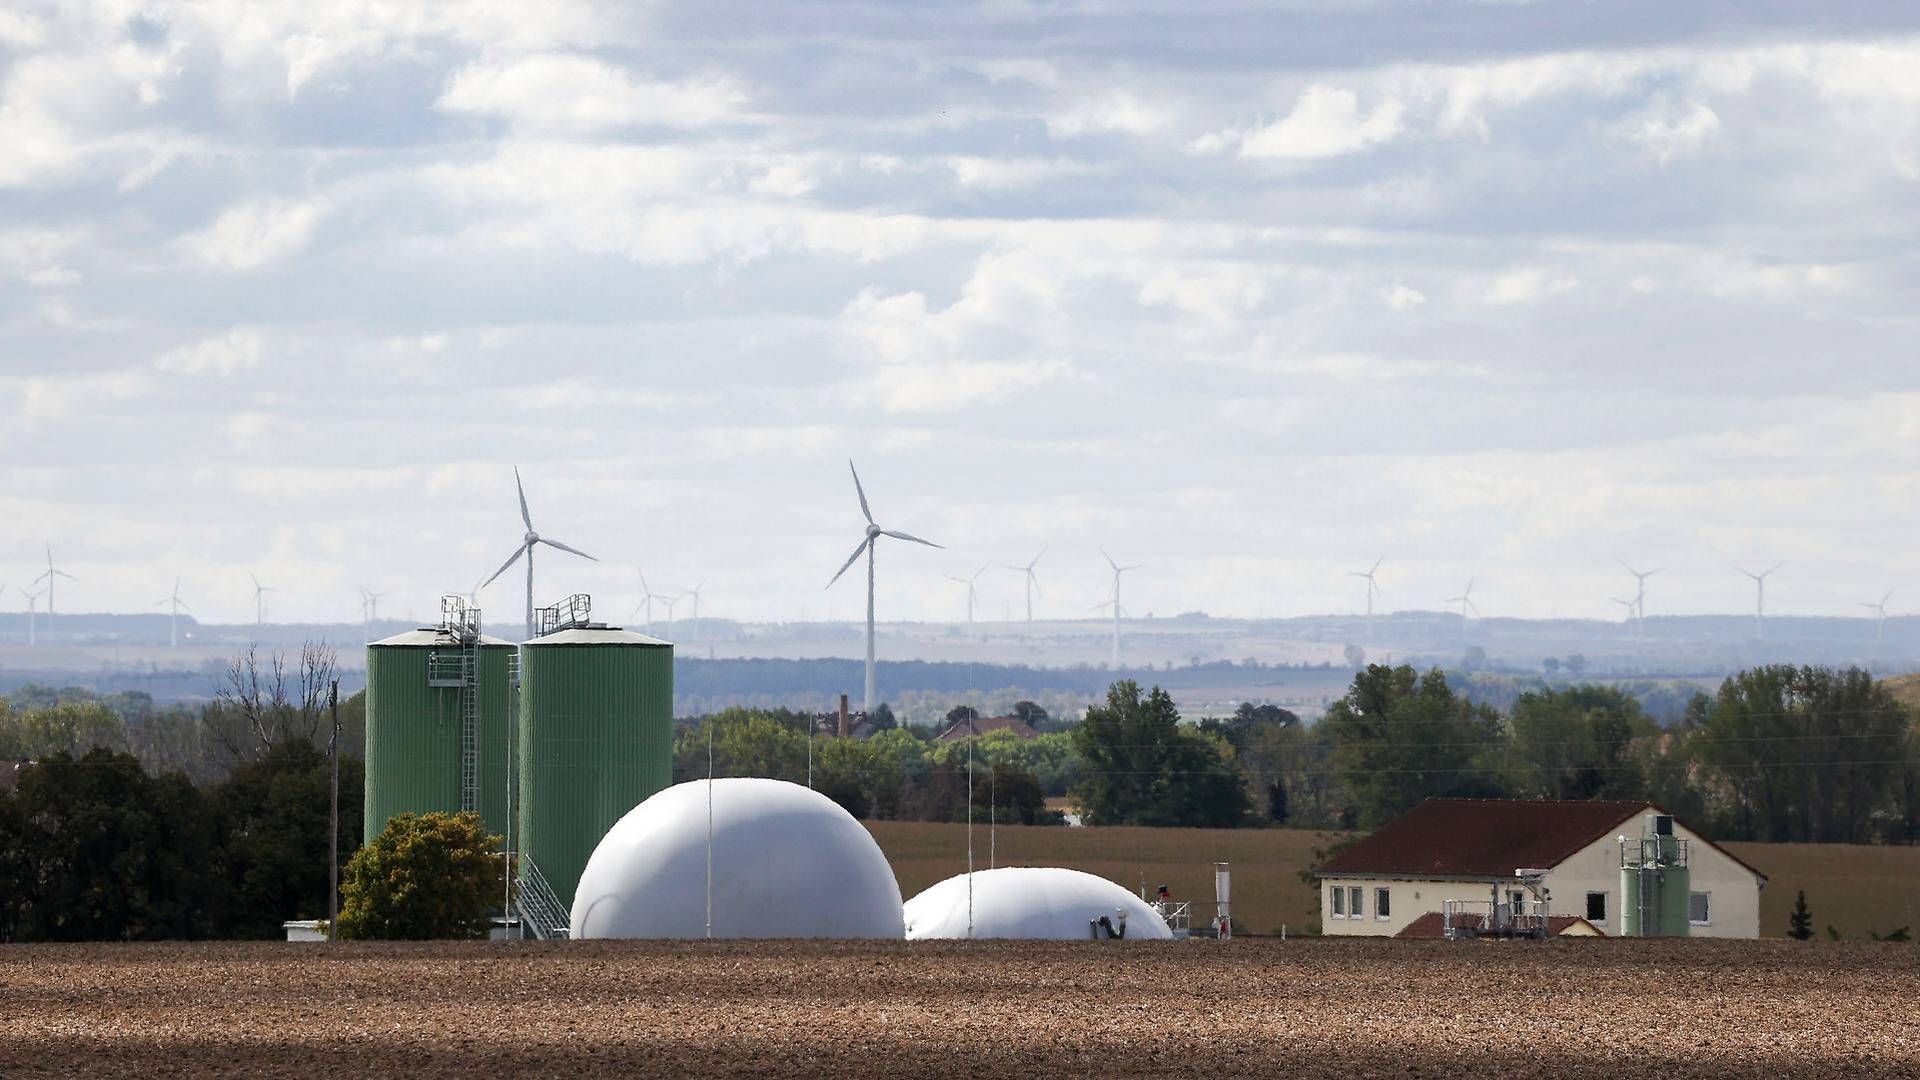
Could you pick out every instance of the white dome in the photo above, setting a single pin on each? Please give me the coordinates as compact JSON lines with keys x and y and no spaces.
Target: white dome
{"x":787,"y":863}
{"x":1029,"y":902}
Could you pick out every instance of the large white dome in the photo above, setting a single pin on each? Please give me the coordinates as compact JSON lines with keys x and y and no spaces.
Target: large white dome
{"x":1029,"y":902}
{"x":788,"y":862}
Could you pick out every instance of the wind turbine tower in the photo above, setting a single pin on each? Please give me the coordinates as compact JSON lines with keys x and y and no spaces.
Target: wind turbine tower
{"x":1640,"y":597}
{"x":176,"y":605}
{"x":1465,"y":600}
{"x":260,"y":599}
{"x":1879,"y":621}
{"x":50,"y":577}
{"x":1373,"y":588}
{"x":647,"y":597}
{"x":971,"y":594}
{"x":33,"y":615}
{"x":1033,"y":581}
{"x":867,"y":545}
{"x":1760,"y":597}
{"x":528,"y":542}
{"x":694,"y":593}
{"x":1114,"y":602}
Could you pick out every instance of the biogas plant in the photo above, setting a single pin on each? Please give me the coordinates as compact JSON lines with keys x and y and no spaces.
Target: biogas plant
{"x":563,"y":744}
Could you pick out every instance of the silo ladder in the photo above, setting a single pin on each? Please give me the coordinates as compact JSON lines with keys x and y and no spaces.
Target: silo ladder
{"x":538,"y":905}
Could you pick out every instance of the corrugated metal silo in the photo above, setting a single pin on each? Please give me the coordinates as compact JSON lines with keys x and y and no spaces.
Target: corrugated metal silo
{"x":416,"y":726}
{"x":595,"y":739}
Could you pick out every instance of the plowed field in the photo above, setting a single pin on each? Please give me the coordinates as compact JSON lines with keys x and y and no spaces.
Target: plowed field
{"x":1245,"y":1008}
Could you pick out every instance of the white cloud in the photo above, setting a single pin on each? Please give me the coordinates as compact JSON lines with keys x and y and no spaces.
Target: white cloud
{"x":1326,"y":122}
{"x":249,"y":431}
{"x":236,"y":350}
{"x":1117,"y":111}
{"x":786,"y":179}
{"x":1668,"y":131}
{"x":1000,"y":174}
{"x":1525,"y":285}
{"x":559,"y":94}
{"x":1404,"y":297}
{"x":257,"y":233}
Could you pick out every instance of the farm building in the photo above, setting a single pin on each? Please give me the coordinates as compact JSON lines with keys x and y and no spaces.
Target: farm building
{"x":986,"y":725}
{"x":1579,"y":859}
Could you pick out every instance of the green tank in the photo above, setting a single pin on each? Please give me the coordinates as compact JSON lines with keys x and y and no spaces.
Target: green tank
{"x":415,"y":728}
{"x":1655,"y":883}
{"x":595,"y":739}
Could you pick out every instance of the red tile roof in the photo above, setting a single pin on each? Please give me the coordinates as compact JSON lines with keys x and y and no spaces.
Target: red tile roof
{"x":1482,"y":838}
{"x":1434,"y":926}
{"x":989,"y":724}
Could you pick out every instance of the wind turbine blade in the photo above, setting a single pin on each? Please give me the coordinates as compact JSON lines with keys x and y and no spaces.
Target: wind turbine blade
{"x":1109,"y":558}
{"x":907,"y":536}
{"x":851,"y":559}
{"x":977,"y":573}
{"x":525,"y":517}
{"x":1772,"y":568}
{"x":1035,"y":578}
{"x":1473,"y":607}
{"x":1356,"y":573}
{"x":961,"y":580}
{"x":1376,"y":564}
{"x":565,"y":548}
{"x":1884,"y":599}
{"x":1036,"y":558}
{"x":41,"y":578}
{"x":521,"y":550}
{"x":860,"y":491}
{"x":66,"y":575}
{"x":1124,"y":569}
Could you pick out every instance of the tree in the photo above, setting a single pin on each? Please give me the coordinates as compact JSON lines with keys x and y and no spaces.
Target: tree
{"x":1141,"y":767}
{"x":1400,"y":737}
{"x":963,"y":714}
{"x":1576,"y":743}
{"x":70,"y":727}
{"x":882,"y":719}
{"x":1800,"y":923}
{"x":259,"y":707}
{"x":1031,"y":715}
{"x":425,"y":877}
{"x":1551,"y":665}
{"x":1354,"y":655}
{"x":272,"y":815}
{"x":103,"y":852}
{"x":1804,"y":754}
{"x":1576,"y":665}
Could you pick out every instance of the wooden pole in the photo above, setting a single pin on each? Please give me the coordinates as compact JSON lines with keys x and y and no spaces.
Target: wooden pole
{"x":333,"y":817}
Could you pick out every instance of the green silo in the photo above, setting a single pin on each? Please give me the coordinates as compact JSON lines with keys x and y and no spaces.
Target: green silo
{"x":595,"y":739}
{"x":418,"y":696}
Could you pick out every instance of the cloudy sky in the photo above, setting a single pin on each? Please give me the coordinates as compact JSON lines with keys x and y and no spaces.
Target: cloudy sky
{"x":1253,"y":298}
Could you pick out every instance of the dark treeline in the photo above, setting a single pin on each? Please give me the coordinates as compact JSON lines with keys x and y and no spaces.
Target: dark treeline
{"x":122,"y":821}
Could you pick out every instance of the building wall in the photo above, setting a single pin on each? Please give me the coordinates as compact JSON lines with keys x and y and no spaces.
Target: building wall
{"x":1733,"y":891}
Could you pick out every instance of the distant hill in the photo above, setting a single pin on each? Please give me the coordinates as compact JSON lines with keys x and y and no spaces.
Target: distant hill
{"x":1906,"y":688}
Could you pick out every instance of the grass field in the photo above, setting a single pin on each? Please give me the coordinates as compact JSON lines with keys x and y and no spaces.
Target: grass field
{"x":1321,"y":1007}
{"x":1856,"y":889}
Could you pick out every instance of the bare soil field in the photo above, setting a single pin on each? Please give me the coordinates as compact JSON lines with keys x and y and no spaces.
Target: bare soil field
{"x":1243,"y":1008}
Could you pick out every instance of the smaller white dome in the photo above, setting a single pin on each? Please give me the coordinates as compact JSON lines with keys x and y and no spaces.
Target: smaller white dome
{"x":1030,"y":902}
{"x":788,"y":862}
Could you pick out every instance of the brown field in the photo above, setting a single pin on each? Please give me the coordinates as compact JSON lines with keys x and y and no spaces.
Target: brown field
{"x":1858,"y":890}
{"x":1246,"y":1008}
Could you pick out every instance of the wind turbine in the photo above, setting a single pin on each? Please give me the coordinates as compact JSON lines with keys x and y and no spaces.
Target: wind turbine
{"x":695,"y":594}
{"x":1033,"y":582}
{"x":173,"y":618}
{"x":670,"y":601}
{"x":1879,"y":621}
{"x":1115,"y":602}
{"x":260,"y":599}
{"x":867,"y":546}
{"x":1632,"y":611}
{"x":49,"y":577}
{"x":647,"y":597}
{"x":1465,"y":600}
{"x":33,"y":610}
{"x":1640,"y":597}
{"x":968,"y":582}
{"x":528,"y":542}
{"x":369,"y":608}
{"x":1373,"y":588}
{"x":1760,"y":598}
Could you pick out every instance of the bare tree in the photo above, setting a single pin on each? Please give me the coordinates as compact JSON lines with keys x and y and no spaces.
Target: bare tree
{"x":262,"y":705}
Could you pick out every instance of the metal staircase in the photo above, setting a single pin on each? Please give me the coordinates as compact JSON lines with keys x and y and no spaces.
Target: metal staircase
{"x":538,"y":905}
{"x":458,"y":669}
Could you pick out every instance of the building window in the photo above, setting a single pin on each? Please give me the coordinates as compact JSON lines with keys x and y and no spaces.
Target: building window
{"x":1354,"y":907}
{"x":1339,"y":902}
{"x":1596,"y":907}
{"x":1699,"y":908}
{"x":1381,"y":908}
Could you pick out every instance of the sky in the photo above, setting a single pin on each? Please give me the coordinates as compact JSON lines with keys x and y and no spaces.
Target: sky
{"x":1250,"y":296}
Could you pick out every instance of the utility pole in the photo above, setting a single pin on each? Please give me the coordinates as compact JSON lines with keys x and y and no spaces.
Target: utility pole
{"x":333,"y":818}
